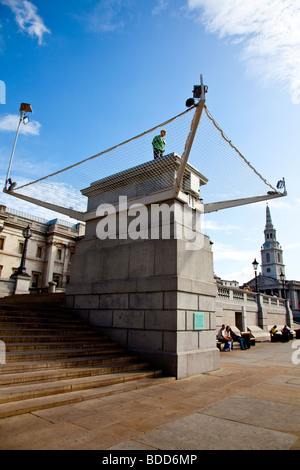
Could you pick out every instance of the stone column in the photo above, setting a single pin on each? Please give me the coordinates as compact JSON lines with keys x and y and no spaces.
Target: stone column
{"x":50,"y":257}
{"x":67,"y":255}
{"x":262,"y":314}
{"x":244,"y":319}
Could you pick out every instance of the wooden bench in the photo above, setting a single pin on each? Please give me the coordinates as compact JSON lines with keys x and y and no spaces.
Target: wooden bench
{"x":219,"y":343}
{"x":252,"y":342}
{"x":280,"y":338}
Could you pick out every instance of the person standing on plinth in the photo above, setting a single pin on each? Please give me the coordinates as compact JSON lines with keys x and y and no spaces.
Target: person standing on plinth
{"x":159,"y":143}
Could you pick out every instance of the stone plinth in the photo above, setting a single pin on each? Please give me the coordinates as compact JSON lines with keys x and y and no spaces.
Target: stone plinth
{"x":155,"y":176}
{"x":22,"y":284}
{"x":149,"y":292}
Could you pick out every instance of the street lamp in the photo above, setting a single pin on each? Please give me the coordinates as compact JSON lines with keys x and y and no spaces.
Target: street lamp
{"x":24,"y":108}
{"x":27,"y":233}
{"x":282,"y":278}
{"x":255,"y":266}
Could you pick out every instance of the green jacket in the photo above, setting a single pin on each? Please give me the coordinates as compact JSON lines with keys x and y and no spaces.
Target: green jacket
{"x":159,"y":143}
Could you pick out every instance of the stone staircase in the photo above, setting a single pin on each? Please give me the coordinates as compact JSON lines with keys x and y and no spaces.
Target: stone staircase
{"x":52,"y":358}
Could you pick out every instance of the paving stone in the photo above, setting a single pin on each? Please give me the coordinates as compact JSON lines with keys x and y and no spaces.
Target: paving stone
{"x":263,"y":413}
{"x":201,"y":432}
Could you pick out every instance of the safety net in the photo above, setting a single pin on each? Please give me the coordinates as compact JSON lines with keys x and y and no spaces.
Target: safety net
{"x":229,"y":174}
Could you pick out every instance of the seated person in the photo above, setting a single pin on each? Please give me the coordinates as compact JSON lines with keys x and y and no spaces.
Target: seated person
{"x":222,"y":337}
{"x":229,"y":337}
{"x":238,"y":339}
{"x":274,"y":330}
{"x":285,"y":334}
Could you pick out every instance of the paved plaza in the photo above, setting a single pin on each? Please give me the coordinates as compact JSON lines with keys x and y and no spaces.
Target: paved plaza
{"x":251,"y":403}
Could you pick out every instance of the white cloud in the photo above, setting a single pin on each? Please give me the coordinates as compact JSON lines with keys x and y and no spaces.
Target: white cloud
{"x":54,"y":192}
{"x":212,"y":225}
{"x":27,"y":18}
{"x":243,"y":275}
{"x":161,"y":6}
{"x":105,"y":17}
{"x":293,"y":246}
{"x":269,"y":31}
{"x":227,"y":252}
{"x":9,"y":123}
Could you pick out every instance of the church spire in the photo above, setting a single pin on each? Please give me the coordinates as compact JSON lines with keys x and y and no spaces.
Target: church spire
{"x":269,"y":224}
{"x":271,"y":251}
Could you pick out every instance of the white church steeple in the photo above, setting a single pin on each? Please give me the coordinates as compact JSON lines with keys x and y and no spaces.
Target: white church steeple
{"x":271,"y":252}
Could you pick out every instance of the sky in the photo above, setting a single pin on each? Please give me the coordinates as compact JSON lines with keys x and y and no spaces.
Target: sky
{"x":99,"y":72}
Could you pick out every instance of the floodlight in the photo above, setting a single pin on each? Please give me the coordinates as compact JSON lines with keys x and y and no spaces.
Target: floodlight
{"x":25,"y":108}
{"x":190,"y":102}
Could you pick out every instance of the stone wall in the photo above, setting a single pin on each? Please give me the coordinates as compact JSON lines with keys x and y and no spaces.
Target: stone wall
{"x":6,"y":287}
{"x":260,"y":311}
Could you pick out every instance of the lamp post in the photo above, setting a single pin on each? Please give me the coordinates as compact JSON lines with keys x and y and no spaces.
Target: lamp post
{"x":27,"y":233}
{"x":282,"y":278}
{"x":255,"y":266}
{"x":24,"y":108}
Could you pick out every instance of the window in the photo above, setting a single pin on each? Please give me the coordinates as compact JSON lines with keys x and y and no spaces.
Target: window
{"x":1,"y":243}
{"x":39,"y":250}
{"x":58,"y":279}
{"x":20,"y":249}
{"x":35,"y":279}
{"x":59,"y":254}
{"x":268,"y":257}
{"x":1,"y":268}
{"x":278,"y":257}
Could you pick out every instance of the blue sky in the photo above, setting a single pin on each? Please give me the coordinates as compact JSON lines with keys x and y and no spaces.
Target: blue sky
{"x":99,"y":72}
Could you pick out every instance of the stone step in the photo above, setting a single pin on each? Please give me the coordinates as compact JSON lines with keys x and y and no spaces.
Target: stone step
{"x":33,"y":346}
{"x":35,"y":404}
{"x":41,"y":320}
{"x":39,"y":313}
{"x":47,"y":300}
{"x":40,"y":339}
{"x":41,"y":331}
{"x":17,"y":378}
{"x":37,"y":390}
{"x":67,"y":363}
{"x":44,"y":355}
{"x":54,"y":358}
{"x":35,"y":310}
{"x":40,"y":325}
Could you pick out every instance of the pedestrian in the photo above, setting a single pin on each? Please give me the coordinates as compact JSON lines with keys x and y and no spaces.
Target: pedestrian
{"x":159,"y":144}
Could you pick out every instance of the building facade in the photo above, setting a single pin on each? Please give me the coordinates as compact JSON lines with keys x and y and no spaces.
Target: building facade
{"x":272,"y":279}
{"x":49,"y":250}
